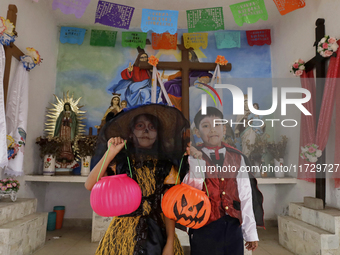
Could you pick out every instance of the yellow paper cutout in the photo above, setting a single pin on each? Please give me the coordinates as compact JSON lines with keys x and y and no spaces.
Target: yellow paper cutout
{"x":195,"y":40}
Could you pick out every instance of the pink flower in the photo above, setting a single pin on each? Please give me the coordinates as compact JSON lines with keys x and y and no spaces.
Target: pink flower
{"x":1,"y":184}
{"x":9,"y":185}
{"x":14,"y":184}
{"x":5,"y":180}
{"x":301,"y":61}
{"x":331,"y":40}
{"x":3,"y":188}
{"x":328,"y":53}
{"x":298,"y":73}
{"x":325,"y":45}
{"x":311,"y":149}
{"x":296,"y":65}
{"x":10,"y":179}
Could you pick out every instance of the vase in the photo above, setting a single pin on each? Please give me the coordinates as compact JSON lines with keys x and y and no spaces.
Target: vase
{"x":279,"y":173}
{"x":257,"y":169}
{"x":85,"y":166}
{"x":49,"y":165}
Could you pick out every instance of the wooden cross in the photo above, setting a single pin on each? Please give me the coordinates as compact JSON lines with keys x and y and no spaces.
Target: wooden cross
{"x":10,"y":51}
{"x":319,"y":64}
{"x":185,"y":66}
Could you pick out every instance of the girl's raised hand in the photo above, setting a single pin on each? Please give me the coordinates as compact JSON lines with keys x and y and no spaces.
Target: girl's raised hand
{"x":117,"y":144}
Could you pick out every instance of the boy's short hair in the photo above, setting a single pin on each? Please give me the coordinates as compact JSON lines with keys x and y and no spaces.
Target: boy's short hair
{"x":211,"y":111}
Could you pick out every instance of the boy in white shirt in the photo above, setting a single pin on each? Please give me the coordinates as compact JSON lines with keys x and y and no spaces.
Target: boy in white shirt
{"x":235,"y":199}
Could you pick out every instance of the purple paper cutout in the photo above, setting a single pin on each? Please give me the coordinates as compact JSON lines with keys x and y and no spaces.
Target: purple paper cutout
{"x":77,"y":7}
{"x":114,"y":15}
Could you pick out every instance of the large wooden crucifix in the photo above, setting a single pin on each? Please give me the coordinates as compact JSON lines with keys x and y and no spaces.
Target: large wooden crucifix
{"x":185,"y":66}
{"x":319,"y":64}
{"x":10,"y":51}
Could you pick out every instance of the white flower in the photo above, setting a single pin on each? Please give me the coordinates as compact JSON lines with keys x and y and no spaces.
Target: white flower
{"x":313,"y":159}
{"x":318,"y":153}
{"x":304,"y":149}
{"x":296,"y":61}
{"x":320,"y":49}
{"x":334,"y":47}
{"x":302,"y":67}
{"x":323,"y":40}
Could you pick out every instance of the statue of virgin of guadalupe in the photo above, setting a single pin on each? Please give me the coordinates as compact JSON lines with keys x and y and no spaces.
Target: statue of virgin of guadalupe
{"x":66,"y":129}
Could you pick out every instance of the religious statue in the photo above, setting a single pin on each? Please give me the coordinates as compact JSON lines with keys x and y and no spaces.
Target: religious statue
{"x":66,"y":128}
{"x":135,"y":86}
{"x":115,"y":106}
{"x":245,"y":134}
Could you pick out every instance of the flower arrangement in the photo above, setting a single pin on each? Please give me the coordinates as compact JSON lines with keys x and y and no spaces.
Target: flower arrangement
{"x":85,"y":146}
{"x":7,"y":33}
{"x":278,"y":149}
{"x":298,"y":67}
{"x":9,"y":184}
{"x":258,"y":148}
{"x":31,"y":59}
{"x":49,"y":145}
{"x":310,"y":152}
{"x":220,"y":60}
{"x":153,"y":61}
{"x":327,"y":46}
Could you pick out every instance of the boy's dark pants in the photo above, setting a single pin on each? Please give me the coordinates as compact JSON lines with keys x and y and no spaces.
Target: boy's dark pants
{"x":220,"y":237}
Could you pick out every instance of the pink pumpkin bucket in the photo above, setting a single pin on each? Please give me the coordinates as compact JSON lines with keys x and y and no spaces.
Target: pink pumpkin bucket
{"x":115,"y":195}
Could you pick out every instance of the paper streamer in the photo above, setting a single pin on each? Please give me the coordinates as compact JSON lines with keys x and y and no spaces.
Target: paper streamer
{"x":164,"y":41}
{"x":209,"y":19}
{"x":103,"y":38}
{"x":159,"y":21}
{"x":259,"y":37}
{"x":134,"y":39}
{"x":72,"y":35}
{"x":71,"y":7}
{"x":228,"y":40}
{"x":249,"y":12}
{"x":195,"y":40}
{"x":286,"y":6}
{"x":114,"y":15}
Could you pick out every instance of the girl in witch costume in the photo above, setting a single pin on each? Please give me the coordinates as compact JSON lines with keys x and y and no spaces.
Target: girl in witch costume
{"x":155,"y":143}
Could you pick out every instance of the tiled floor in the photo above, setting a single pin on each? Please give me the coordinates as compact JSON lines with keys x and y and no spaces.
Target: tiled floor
{"x":76,"y":241}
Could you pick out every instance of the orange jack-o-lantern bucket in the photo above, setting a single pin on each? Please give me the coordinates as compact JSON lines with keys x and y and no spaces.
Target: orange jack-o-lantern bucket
{"x":186,"y":205}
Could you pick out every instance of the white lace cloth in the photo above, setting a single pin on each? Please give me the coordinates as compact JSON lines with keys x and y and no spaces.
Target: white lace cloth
{"x":3,"y":142}
{"x":16,"y":117}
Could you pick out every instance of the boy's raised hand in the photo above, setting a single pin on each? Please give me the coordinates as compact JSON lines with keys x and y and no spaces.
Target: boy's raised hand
{"x":251,"y":246}
{"x":117,"y":144}
{"x":195,"y":153}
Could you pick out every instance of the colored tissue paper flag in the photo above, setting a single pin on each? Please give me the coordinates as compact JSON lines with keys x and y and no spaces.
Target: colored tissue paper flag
{"x":228,"y":40}
{"x":72,"y":35}
{"x":114,"y":15}
{"x":159,"y":21}
{"x":134,"y":39}
{"x":71,"y":7}
{"x":286,"y":6}
{"x":249,"y":12}
{"x":259,"y":37}
{"x":103,"y":38}
{"x":195,"y":40}
{"x":209,"y":19}
{"x":164,"y":41}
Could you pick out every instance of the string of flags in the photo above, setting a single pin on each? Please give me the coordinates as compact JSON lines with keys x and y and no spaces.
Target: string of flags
{"x":163,"y":24}
{"x":160,"y":21}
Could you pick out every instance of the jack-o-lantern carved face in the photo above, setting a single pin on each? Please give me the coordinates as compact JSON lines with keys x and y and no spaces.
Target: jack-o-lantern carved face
{"x":186,"y":205}
{"x":189,"y":213}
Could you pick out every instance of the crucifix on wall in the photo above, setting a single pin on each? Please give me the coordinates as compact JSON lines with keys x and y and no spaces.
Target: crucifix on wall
{"x":185,"y":66}
{"x":12,"y":50}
